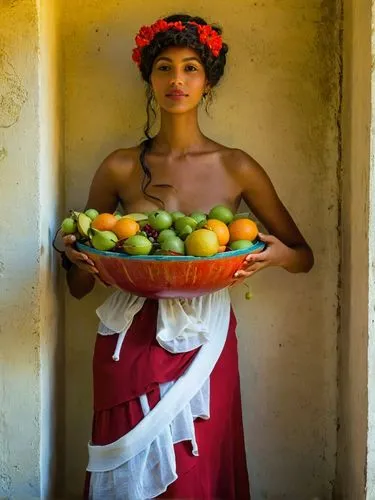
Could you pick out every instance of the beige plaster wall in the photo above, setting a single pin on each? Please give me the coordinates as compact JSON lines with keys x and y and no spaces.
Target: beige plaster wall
{"x":29,"y":311}
{"x":356,"y":118}
{"x":370,"y":484}
{"x":20,"y":368}
{"x":279,"y":101}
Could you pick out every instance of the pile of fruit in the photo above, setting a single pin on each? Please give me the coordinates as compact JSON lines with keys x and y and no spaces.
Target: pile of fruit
{"x":161,"y":232}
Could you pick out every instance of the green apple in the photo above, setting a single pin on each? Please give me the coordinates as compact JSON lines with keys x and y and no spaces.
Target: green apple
{"x":173,"y":244}
{"x":68,"y":226}
{"x":241,"y":244}
{"x":220,"y":212}
{"x":177,"y":215}
{"x":165,"y":234}
{"x":160,"y":219}
{"x":182,"y":222}
{"x":198,"y":217}
{"x":92,"y":213}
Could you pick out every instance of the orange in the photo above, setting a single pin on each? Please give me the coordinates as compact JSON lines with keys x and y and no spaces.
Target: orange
{"x":202,"y":243}
{"x":125,"y":228}
{"x":222,"y":249}
{"x":243,"y":229}
{"x":104,"y":222}
{"x":221,"y":230}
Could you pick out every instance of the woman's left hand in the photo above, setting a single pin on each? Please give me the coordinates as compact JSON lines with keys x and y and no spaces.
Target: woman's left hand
{"x":276,"y":253}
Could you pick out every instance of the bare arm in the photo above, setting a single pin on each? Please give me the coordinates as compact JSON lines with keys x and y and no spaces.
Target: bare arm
{"x":103,"y":196}
{"x":286,"y":245}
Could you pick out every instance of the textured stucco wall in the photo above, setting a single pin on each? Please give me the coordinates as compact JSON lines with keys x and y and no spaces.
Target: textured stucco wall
{"x":279,"y":101}
{"x":356,"y":119}
{"x":28,"y":281}
{"x":19,"y":252}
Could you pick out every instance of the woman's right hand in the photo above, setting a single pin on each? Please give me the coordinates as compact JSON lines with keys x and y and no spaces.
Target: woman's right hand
{"x":80,"y":259}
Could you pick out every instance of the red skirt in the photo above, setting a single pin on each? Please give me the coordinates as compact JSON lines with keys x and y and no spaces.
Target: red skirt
{"x":219,"y":472}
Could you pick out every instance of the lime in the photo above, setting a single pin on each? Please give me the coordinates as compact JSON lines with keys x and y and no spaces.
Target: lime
{"x":220,"y":212}
{"x":92,"y":213}
{"x":241,"y":244}
{"x":69,"y":226}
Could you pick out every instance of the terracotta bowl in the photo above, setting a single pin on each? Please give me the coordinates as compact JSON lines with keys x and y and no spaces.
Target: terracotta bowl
{"x":161,"y":276}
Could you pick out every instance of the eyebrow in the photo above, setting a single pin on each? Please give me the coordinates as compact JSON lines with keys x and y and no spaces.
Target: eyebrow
{"x":186,"y":59}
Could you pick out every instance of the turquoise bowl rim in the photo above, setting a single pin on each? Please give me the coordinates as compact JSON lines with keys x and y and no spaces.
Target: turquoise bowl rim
{"x":259,"y":245}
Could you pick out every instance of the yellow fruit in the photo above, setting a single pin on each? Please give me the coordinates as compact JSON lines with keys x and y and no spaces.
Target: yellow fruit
{"x":202,"y":243}
{"x":83,"y":224}
{"x":221,"y":230}
{"x":137,"y":216}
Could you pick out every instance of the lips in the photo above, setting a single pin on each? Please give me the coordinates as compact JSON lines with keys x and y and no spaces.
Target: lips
{"x":176,"y":93}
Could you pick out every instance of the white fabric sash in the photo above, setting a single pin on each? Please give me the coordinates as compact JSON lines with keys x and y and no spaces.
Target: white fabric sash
{"x":207,"y":324}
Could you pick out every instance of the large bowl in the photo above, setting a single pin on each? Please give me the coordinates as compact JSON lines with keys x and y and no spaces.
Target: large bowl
{"x":162,"y":276}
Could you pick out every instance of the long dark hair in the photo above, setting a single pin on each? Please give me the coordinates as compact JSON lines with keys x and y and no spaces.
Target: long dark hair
{"x":214,"y":69}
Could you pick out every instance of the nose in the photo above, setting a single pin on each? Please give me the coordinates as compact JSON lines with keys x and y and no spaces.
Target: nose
{"x":176,"y":79}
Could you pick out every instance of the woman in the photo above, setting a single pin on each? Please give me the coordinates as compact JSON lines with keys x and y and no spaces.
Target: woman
{"x":181,"y":59}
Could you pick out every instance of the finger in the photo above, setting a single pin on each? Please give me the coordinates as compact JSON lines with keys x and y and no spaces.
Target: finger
{"x":86,"y":267}
{"x":257,"y":257}
{"x":266,"y":238}
{"x":250,"y":269}
{"x":75,"y":256}
{"x":85,"y":258}
{"x":69,"y":239}
{"x":241,"y":275}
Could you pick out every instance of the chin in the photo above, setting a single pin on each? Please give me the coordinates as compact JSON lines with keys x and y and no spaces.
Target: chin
{"x":178,"y":108}
{"x":177,"y":111}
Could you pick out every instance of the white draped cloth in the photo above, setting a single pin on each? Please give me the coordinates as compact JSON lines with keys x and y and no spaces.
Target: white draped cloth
{"x":141,"y":464}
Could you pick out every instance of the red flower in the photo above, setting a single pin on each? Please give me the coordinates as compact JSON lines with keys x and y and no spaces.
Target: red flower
{"x":146,"y":32}
{"x":159,"y":26}
{"x":207,"y":36}
{"x":136,"y":56}
{"x":141,"y":42}
{"x":178,"y":26}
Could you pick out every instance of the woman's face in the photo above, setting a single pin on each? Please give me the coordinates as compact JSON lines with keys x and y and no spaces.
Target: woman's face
{"x":178,"y":79}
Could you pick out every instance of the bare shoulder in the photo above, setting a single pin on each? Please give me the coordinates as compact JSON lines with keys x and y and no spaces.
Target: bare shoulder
{"x":239,"y":159}
{"x":116,"y":168}
{"x":121,"y":161}
{"x":241,"y":163}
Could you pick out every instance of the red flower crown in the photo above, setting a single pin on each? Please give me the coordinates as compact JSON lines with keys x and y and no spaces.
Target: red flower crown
{"x":207,"y":36}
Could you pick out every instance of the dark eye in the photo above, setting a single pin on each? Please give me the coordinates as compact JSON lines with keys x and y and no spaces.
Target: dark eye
{"x":164,"y":67}
{"x":190,"y":67}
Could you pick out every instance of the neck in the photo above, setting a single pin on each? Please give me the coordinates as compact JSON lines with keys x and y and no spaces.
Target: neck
{"x":179,"y":134}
